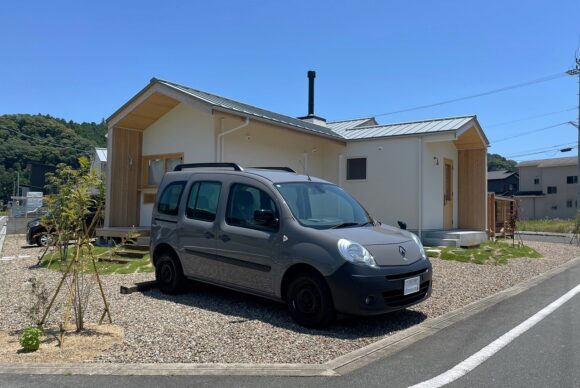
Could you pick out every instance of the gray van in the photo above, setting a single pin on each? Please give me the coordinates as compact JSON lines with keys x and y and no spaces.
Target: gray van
{"x":277,"y":234}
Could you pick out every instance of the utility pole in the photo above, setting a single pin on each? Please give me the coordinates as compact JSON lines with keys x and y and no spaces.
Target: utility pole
{"x":576,"y":71}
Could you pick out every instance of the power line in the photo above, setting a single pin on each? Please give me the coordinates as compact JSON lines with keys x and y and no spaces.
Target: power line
{"x":530,"y":131}
{"x":545,"y":151}
{"x":530,"y":117}
{"x":499,"y":90}
{"x":550,"y":147}
{"x":52,"y":144}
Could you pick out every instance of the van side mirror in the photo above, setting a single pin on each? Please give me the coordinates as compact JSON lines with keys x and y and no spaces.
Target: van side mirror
{"x":265,"y":218}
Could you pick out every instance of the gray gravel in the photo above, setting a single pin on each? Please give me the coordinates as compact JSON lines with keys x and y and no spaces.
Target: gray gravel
{"x":209,"y":324}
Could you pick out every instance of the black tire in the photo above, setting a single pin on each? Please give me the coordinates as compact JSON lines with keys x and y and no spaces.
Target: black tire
{"x":309,"y":301}
{"x":168,"y":274}
{"x":43,"y":240}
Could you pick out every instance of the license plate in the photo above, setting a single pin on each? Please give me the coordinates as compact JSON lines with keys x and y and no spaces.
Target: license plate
{"x":411,"y":285}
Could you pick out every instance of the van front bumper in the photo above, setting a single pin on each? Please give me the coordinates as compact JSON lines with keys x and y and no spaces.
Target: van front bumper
{"x":362,"y":290}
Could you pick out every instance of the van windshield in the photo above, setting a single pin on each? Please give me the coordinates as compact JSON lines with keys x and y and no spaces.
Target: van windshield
{"x":323,"y":205}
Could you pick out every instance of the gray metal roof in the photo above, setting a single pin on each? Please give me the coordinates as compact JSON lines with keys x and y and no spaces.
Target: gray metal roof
{"x":497,"y":175}
{"x":339,"y":125}
{"x":409,"y":128}
{"x":231,"y":105}
{"x":552,"y":162}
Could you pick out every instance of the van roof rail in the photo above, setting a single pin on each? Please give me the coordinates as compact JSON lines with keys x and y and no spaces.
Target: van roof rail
{"x":287,"y":169}
{"x":234,"y":166}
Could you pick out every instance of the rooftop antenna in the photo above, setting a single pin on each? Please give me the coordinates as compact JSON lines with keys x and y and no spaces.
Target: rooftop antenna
{"x":305,"y":169}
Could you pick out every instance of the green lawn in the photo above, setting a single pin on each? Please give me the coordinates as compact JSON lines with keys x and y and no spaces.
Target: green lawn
{"x":134,"y":266}
{"x":487,"y":253}
{"x":547,"y":225}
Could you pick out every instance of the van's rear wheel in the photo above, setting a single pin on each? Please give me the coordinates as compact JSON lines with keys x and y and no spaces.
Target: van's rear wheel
{"x":169,"y":274}
{"x":309,"y":301}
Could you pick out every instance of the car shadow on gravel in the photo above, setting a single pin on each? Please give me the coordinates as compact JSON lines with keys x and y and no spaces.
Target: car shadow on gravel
{"x":239,"y":308}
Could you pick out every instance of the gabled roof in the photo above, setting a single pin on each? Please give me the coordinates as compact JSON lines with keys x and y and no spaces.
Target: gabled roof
{"x":498,"y":175}
{"x":239,"y":107}
{"x":352,"y":123}
{"x":552,"y":162}
{"x":408,"y":128}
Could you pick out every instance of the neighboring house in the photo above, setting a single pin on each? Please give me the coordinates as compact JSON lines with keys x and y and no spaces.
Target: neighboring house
{"x":430,"y":174}
{"x":503,"y":183}
{"x":99,"y":162}
{"x":548,"y":188}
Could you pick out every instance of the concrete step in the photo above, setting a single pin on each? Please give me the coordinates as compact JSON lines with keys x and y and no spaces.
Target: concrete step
{"x":136,"y":247}
{"x":115,"y":260}
{"x":464,"y":238}
{"x":439,"y":242}
{"x":131,"y":254}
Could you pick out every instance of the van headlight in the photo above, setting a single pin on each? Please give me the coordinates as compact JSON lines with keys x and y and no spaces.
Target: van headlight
{"x":34,"y":223}
{"x":355,"y":253}
{"x":418,"y":242}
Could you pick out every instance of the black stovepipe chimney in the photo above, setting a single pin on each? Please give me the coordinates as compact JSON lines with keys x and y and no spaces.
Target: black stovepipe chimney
{"x":311,"y":76}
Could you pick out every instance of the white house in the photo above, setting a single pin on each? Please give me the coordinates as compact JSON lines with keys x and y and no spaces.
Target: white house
{"x":548,"y":188}
{"x":430,"y":174}
{"x":99,"y":161}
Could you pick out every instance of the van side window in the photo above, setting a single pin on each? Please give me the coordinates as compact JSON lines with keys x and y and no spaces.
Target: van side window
{"x":203,"y":201}
{"x":169,"y":200}
{"x":244,"y":201}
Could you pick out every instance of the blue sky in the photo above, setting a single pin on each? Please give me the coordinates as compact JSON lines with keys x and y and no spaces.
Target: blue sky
{"x":81,"y":60}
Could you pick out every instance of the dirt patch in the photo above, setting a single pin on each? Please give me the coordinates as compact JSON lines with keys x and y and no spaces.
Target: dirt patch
{"x":78,"y":347}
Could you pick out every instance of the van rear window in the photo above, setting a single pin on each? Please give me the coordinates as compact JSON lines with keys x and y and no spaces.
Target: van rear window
{"x":170,"y":198}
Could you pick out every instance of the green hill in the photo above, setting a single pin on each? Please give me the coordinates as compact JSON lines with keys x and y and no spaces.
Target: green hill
{"x":42,"y":139}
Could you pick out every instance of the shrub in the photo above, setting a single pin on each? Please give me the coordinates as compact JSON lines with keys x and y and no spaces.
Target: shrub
{"x":30,"y":338}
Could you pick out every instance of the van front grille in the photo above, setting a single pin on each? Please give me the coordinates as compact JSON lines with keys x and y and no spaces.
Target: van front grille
{"x":395,"y":298}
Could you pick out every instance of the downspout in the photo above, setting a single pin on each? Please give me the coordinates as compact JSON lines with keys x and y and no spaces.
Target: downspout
{"x":340,"y":161}
{"x":420,"y":229}
{"x":220,"y":142}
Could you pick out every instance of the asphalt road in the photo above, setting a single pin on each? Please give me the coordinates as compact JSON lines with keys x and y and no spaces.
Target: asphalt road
{"x":547,"y":355}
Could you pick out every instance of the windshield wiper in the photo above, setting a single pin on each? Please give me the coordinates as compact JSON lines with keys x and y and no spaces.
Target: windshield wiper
{"x":345,"y":225}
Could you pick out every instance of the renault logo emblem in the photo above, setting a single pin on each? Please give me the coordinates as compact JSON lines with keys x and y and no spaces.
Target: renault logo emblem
{"x":403,"y":252}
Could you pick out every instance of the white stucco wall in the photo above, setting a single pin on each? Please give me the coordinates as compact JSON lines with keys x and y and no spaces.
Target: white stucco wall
{"x":260,"y":144}
{"x":391,"y":191}
{"x":183,"y":129}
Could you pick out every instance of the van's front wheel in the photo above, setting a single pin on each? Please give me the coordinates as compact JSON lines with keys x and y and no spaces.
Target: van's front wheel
{"x":168,"y":274}
{"x":309,"y":301}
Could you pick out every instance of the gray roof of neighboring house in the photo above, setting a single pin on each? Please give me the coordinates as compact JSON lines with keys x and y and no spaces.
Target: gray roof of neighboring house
{"x":497,"y":175}
{"x":553,"y":162}
{"x":101,"y":154}
{"x":352,"y":123}
{"x":250,"y":110}
{"x":409,"y":128}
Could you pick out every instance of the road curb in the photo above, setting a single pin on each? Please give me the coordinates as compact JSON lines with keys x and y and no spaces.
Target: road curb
{"x":336,"y":367}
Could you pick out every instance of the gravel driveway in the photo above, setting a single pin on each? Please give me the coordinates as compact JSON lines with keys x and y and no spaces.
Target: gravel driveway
{"x":209,"y":324}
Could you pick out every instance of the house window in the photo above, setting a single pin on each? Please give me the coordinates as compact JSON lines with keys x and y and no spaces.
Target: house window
{"x":552,"y":190}
{"x":571,"y":179}
{"x":356,"y":168}
{"x":169,"y":200}
{"x":568,"y":204}
{"x":536,"y":181}
{"x":203,"y":201}
{"x":155,"y":166}
{"x":555,"y":207}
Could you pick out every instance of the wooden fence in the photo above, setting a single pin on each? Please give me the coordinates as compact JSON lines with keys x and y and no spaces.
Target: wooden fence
{"x":499,"y":212}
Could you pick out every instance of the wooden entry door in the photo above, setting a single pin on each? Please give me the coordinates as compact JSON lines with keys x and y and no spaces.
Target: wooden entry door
{"x":448,"y":195}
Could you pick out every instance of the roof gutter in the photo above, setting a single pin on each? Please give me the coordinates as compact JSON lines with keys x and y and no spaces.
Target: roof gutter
{"x":220,"y":138}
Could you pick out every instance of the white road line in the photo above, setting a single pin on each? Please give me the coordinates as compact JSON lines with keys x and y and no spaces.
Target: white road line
{"x":478,"y":358}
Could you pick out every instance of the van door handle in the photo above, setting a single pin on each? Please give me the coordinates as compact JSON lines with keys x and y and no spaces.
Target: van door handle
{"x":209,"y":235}
{"x":225,"y":238}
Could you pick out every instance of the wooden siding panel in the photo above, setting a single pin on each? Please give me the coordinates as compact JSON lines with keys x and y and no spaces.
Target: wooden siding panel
{"x":125,"y":168}
{"x":472,"y":192}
